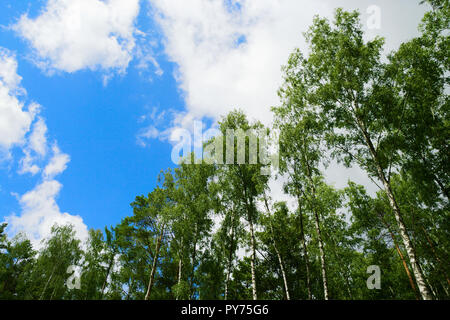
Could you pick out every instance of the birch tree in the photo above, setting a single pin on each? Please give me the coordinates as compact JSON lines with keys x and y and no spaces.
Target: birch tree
{"x":243,"y":180}
{"x":344,"y":83}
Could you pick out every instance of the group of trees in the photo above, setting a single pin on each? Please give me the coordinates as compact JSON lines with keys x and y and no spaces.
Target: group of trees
{"x":212,"y":230}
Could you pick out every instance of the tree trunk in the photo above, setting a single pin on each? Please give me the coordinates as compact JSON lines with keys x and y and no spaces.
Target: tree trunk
{"x":305,"y":249}
{"x":250,"y":208}
{"x":411,"y":281}
{"x":47,"y":283}
{"x":227,"y":281}
{"x":280,"y":260}
{"x":53,"y":293}
{"x":418,"y":274}
{"x":420,"y":279}
{"x":253,"y":259}
{"x":405,"y":266}
{"x":180,"y":266}
{"x":193,"y":259}
{"x":322,"y":257}
{"x":107,"y":276}
{"x":230,"y":260}
{"x":317,"y":224}
{"x":155,"y":260}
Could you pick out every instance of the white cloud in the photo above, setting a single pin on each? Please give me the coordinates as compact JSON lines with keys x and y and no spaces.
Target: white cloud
{"x":40,"y":212}
{"x":229,"y":53}
{"x":277,"y":194}
{"x":15,"y":119}
{"x":338,"y":175}
{"x":58,"y":163}
{"x":160,"y":125}
{"x":145,"y":55}
{"x":35,"y":149}
{"x":71,"y":35}
{"x":8,"y":70}
{"x":39,"y":208}
{"x":27,"y":163}
{"x":38,"y":139}
{"x":146,"y":134}
{"x":232,"y":58}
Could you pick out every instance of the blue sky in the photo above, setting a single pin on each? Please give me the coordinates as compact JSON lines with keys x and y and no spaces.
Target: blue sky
{"x":96,"y":124}
{"x":113,"y":91}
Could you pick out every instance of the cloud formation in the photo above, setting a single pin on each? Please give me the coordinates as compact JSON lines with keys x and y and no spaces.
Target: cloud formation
{"x":35,"y":149}
{"x":229,"y":53}
{"x":15,"y":118}
{"x":40,"y":212}
{"x":39,"y":209}
{"x":57,"y":164}
{"x":71,"y":35}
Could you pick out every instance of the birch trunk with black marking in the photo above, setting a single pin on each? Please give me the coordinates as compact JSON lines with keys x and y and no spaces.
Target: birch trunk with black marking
{"x":322,"y":256}
{"x":230,"y":261}
{"x":253,"y":259}
{"x":155,"y":262}
{"x":248,"y":201}
{"x":193,"y":260}
{"x":305,"y":249}
{"x":418,"y":273}
{"x":180,"y":266}
{"x":227,"y":280}
{"x":317,"y":225}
